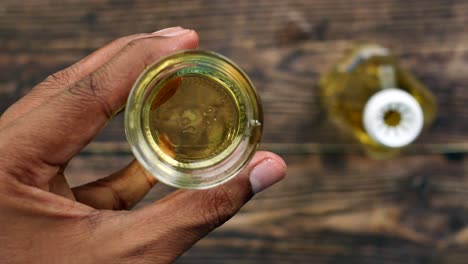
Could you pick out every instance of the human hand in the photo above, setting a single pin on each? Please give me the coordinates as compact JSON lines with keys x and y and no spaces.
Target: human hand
{"x":43,"y":220}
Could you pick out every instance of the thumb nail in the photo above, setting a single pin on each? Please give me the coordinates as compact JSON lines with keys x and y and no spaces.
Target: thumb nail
{"x":171,"y":32}
{"x":265,"y":174}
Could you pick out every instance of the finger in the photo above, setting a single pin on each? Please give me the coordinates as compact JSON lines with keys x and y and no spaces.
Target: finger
{"x":59,"y":185}
{"x":183,"y":217}
{"x":59,"y":81}
{"x":57,"y":130}
{"x":119,"y":191}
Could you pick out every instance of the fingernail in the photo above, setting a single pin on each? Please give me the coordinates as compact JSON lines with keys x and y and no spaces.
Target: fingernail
{"x":164,"y":30}
{"x":171,"y":32}
{"x":265,"y":174}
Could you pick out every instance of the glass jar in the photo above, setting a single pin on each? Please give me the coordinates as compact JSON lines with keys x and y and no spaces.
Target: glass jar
{"x":193,"y":119}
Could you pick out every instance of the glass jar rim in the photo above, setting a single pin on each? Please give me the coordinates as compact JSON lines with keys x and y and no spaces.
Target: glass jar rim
{"x":183,"y":62}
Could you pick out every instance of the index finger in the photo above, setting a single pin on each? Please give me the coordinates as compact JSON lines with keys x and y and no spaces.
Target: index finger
{"x":61,"y":80}
{"x":51,"y":135}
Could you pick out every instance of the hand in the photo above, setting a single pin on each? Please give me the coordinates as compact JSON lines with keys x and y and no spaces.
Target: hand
{"x":44,"y":221}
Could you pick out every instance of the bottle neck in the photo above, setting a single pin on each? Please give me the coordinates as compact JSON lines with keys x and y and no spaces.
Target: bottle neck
{"x":393,"y":118}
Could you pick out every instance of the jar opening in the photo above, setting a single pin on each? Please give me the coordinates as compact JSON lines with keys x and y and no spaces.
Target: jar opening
{"x":193,"y":119}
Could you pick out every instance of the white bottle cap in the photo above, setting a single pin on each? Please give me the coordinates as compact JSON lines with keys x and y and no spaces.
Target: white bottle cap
{"x":401,"y":102}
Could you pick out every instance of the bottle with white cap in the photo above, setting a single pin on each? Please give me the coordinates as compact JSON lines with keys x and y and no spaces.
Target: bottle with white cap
{"x":382,"y":105}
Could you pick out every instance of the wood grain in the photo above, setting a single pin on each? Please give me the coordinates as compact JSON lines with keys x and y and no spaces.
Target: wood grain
{"x":289,"y":44}
{"x":333,"y":208}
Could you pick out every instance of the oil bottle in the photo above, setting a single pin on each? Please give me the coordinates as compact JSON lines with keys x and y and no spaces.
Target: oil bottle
{"x":368,"y":95}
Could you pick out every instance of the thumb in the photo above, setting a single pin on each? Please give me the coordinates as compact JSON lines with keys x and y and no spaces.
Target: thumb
{"x":171,"y":226}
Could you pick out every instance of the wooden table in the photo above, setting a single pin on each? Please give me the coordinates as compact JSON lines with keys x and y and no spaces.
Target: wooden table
{"x":336,"y":206}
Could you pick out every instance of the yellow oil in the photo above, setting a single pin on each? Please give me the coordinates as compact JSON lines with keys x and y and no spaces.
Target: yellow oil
{"x":349,"y":85}
{"x":192,"y":118}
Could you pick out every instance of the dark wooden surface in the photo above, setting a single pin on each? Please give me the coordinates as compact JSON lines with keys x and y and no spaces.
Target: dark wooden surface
{"x":336,"y":206}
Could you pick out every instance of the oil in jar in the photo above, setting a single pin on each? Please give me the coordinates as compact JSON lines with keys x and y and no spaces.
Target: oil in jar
{"x":192,"y":118}
{"x":368,"y":95}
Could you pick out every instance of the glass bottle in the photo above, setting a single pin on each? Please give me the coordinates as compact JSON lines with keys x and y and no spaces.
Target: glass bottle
{"x":368,"y":95}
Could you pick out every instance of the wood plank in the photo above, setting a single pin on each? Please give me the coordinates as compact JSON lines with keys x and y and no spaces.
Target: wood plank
{"x":333,"y":208}
{"x":338,"y":207}
{"x":289,"y":44}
